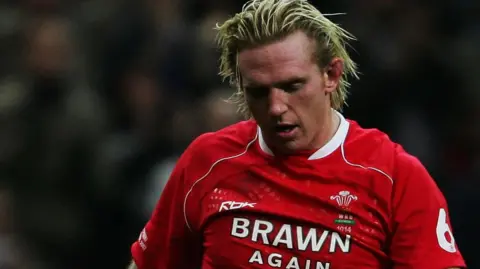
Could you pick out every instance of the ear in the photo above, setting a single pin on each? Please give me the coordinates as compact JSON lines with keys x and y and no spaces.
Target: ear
{"x":333,"y":73}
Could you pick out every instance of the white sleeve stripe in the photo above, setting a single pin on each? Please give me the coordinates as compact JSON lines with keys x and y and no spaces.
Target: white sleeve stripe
{"x":207,"y":173}
{"x":364,"y":167}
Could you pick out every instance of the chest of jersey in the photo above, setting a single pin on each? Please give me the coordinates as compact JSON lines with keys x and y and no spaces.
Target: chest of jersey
{"x":274,"y":216}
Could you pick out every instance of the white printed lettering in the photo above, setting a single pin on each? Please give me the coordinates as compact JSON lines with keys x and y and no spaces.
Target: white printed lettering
{"x":293,"y":264}
{"x":275,"y":260}
{"x":256,"y":257}
{"x":443,"y":229}
{"x":284,"y":236}
{"x":321,"y":265}
{"x":236,"y":205}
{"x":230,"y":205}
{"x":224,"y":206}
{"x":258,"y":230}
{"x":311,"y":238}
{"x":239,"y":227}
{"x":295,"y":237}
{"x":336,"y":240}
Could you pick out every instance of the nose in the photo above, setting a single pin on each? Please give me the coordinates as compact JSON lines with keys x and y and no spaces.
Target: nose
{"x":277,"y":102}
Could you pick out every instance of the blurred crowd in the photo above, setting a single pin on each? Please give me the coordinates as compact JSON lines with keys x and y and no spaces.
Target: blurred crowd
{"x":99,"y":97}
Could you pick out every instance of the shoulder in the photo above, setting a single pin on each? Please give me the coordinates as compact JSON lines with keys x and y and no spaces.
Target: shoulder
{"x":228,"y":140}
{"x":210,"y":147}
{"x":371,"y":147}
{"x":208,"y":151}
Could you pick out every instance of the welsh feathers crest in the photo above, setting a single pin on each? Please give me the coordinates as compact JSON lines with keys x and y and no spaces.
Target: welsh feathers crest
{"x":344,"y":198}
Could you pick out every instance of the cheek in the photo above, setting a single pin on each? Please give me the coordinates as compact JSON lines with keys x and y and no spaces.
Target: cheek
{"x":257,"y":108}
{"x":310,"y":103}
{"x":315,"y":88}
{"x":311,"y":97}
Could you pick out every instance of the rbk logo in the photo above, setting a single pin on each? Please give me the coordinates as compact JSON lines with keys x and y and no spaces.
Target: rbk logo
{"x":229,"y":205}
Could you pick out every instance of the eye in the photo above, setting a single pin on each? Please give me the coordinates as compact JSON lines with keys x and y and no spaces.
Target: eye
{"x":293,"y":87}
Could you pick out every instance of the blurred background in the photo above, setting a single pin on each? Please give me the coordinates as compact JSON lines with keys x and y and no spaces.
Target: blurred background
{"x":99,"y":97}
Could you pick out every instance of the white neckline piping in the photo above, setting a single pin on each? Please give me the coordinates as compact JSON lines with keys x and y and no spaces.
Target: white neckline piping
{"x":332,"y":145}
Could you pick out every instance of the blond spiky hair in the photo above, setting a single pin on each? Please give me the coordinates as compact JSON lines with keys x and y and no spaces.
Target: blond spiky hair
{"x":264,"y":21}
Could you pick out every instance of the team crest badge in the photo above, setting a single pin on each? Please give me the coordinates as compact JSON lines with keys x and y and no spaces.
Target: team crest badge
{"x":344,"y":199}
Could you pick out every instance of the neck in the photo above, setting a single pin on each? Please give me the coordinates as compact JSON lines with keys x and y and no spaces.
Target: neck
{"x":329,"y":126}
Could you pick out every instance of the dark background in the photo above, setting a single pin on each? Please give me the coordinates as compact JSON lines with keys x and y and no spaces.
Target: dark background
{"x":99,"y":97}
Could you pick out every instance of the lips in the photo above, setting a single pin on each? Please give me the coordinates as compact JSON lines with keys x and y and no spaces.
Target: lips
{"x":280,"y":128}
{"x":286,"y":131}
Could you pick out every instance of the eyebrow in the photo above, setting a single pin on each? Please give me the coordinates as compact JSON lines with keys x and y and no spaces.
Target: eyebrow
{"x":280,"y":83}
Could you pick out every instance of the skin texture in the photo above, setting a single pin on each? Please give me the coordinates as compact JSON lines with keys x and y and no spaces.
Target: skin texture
{"x":284,"y":85}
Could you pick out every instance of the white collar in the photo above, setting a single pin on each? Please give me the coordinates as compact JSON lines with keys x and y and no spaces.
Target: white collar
{"x":334,"y":143}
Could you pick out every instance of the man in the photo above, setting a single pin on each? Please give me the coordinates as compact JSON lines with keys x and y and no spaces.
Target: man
{"x":297,"y":185}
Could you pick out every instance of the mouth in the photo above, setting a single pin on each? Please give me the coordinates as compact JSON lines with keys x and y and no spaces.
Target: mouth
{"x":285,"y":130}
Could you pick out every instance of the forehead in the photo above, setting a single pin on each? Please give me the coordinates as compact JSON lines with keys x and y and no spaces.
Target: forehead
{"x":280,"y":60}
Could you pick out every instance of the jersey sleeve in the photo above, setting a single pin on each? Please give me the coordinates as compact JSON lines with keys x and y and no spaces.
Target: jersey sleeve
{"x":166,"y":242}
{"x":422,"y":232}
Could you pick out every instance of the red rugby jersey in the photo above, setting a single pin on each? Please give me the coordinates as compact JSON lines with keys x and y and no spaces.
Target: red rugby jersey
{"x":358,"y":202}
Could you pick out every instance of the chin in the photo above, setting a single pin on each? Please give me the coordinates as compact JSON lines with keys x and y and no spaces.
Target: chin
{"x":290,"y":147}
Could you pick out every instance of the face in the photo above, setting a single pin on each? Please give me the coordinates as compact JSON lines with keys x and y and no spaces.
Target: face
{"x":287,"y":92}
